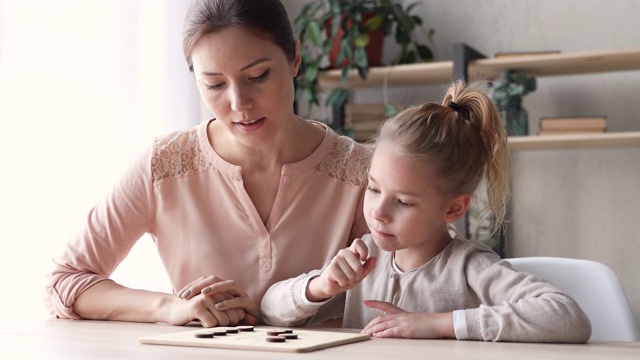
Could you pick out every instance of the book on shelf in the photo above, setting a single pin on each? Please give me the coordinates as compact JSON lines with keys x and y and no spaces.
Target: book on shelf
{"x":364,"y":119}
{"x":569,"y":132}
{"x":573,"y":123}
{"x":507,"y":54}
{"x":364,"y":110}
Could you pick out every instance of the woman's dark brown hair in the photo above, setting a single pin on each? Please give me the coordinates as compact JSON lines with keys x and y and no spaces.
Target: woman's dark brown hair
{"x":267,"y":18}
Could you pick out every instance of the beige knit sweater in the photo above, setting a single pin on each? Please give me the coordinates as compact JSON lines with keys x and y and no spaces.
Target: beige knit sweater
{"x":499,"y":303}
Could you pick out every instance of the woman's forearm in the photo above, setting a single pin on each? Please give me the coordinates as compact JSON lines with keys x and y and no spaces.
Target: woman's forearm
{"x":108,"y":300}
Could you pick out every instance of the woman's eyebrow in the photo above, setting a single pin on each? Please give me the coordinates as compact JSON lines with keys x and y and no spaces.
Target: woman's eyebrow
{"x":249,"y":65}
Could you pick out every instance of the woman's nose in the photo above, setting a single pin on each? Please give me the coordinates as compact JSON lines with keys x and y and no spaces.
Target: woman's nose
{"x":240,"y":99}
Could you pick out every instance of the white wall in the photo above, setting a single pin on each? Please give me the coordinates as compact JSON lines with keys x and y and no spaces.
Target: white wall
{"x":574,"y":203}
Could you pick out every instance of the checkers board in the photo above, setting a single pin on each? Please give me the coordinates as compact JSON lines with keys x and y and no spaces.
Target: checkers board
{"x":307,"y":340}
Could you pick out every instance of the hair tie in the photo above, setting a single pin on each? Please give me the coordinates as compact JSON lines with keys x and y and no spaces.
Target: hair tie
{"x":454,"y":106}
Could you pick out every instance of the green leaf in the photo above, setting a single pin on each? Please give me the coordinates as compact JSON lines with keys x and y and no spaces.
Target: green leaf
{"x":361,"y":60}
{"x":361,"y":40}
{"x":390,"y":110}
{"x":335,"y":25}
{"x":314,"y":33}
{"x":402,"y":37}
{"x":373,"y":23}
{"x":344,"y":76}
{"x":337,"y":97}
{"x":424,"y":52}
{"x":404,"y":21}
{"x":311,"y":72}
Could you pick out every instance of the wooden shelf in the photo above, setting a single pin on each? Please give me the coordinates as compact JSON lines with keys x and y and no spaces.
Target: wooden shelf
{"x":537,"y":65}
{"x":578,"y":141}
{"x":438,"y":72}
{"x":558,"y":64}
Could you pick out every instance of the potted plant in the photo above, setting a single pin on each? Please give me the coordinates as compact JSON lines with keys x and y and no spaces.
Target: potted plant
{"x":507,"y":93}
{"x":347,"y":28}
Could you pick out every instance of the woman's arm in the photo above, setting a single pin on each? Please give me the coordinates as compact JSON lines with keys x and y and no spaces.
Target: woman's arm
{"x":108,"y":300}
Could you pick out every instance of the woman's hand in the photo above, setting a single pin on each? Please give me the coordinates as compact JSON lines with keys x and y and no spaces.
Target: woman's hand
{"x":239,"y":301}
{"x":221,"y":291}
{"x":204,"y":309}
{"x":346,"y":270}
{"x":401,"y":324}
{"x":195,"y":287}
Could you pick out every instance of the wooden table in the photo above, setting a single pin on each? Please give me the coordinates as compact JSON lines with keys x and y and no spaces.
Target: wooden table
{"x":68,"y":339}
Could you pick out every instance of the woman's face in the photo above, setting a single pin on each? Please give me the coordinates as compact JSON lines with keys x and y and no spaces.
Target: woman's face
{"x":246,"y":82}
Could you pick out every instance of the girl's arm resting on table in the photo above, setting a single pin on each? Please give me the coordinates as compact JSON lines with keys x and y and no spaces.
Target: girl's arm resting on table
{"x":522,"y":307}
{"x":398,"y":323}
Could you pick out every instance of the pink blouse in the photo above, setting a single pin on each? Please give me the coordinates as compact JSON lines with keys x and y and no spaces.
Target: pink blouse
{"x":195,"y":207}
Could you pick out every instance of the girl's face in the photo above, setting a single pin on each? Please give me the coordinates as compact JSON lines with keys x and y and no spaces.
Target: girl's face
{"x":246,"y":82}
{"x":403,"y":207}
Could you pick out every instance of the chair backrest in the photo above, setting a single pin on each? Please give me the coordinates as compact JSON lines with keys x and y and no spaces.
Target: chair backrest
{"x":596,"y":289}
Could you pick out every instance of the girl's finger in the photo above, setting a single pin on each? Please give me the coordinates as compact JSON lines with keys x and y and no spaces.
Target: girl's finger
{"x":383,"y":306}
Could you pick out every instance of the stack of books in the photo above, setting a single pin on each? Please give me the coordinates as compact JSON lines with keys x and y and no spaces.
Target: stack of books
{"x":572,"y":125}
{"x":364,"y":120}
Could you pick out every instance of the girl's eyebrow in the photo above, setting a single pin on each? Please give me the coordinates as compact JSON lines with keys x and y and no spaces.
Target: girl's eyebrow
{"x":249,"y":65}
{"x":407,"y":193}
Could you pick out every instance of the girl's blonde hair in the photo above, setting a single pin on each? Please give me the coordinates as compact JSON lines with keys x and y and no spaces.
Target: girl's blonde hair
{"x":464,"y":138}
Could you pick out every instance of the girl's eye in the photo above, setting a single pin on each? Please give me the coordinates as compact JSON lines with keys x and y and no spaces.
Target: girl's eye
{"x":405,"y":204}
{"x":372,"y":190}
{"x":260,"y":77}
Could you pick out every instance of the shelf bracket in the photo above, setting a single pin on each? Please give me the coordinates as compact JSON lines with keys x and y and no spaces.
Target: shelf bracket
{"x":462,"y":55}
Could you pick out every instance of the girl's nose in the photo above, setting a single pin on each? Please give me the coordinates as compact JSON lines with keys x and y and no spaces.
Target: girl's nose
{"x":380,"y":211}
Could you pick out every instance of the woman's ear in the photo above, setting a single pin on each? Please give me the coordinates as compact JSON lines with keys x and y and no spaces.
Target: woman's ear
{"x":297,"y":59}
{"x":457,"y":207}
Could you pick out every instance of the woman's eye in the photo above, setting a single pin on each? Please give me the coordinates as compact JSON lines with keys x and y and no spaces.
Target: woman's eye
{"x":260,"y":77}
{"x":215,"y":86}
{"x":372,"y":190}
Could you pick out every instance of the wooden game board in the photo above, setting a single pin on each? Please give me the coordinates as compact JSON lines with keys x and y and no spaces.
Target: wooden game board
{"x":308,"y":340}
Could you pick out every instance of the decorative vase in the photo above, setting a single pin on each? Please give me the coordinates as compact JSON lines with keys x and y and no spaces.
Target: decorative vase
{"x":516,"y":119}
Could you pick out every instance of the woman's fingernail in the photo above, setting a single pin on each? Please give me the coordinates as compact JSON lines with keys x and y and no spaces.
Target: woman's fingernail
{"x":186,"y":294}
{"x":219,"y":306}
{"x":180,"y":293}
{"x":206,"y":290}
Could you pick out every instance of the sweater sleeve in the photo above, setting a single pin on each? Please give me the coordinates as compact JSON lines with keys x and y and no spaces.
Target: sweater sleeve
{"x":520,"y":307}
{"x":111,"y":229}
{"x":284,"y":304}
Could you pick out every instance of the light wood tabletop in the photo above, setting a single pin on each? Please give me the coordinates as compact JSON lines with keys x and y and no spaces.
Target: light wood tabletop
{"x":69,"y":339}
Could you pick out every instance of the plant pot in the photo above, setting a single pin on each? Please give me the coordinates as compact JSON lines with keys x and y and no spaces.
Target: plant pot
{"x":373,"y":49}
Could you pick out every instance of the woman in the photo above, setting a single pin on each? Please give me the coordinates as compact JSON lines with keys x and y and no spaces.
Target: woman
{"x":253,"y":196}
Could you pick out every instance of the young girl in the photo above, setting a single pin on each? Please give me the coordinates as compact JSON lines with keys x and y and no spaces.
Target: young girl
{"x":413,"y":268}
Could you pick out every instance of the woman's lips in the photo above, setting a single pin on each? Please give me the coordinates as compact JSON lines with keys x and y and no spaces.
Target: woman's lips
{"x":251,"y":125}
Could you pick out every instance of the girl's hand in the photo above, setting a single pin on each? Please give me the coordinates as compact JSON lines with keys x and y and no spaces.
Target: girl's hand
{"x":401,"y":324}
{"x":346,"y":270}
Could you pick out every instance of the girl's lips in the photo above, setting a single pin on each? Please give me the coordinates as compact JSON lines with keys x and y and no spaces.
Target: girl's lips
{"x":381,"y":234}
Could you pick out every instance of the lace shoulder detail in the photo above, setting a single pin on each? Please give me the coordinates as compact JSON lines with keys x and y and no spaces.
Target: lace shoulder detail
{"x":177,"y":154}
{"x":347,"y":161}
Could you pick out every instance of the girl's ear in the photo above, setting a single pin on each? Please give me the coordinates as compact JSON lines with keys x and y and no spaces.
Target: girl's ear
{"x":457,"y":207}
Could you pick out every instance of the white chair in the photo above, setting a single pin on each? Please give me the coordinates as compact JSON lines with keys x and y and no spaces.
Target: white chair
{"x":594,"y":286}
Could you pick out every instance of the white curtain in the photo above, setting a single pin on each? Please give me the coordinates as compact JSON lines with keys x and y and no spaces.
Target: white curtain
{"x":85,"y":85}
